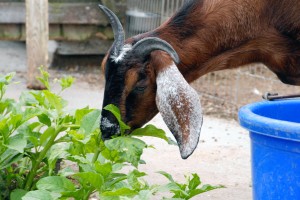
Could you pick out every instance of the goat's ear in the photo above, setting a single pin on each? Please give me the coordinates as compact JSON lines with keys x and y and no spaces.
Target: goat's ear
{"x":180,"y":108}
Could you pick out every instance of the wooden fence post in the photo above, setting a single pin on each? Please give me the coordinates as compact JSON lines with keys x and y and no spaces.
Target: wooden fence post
{"x":37,"y":34}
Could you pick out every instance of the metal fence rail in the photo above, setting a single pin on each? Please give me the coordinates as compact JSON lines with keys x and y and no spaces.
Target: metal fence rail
{"x":222,"y":92}
{"x":142,"y":16}
{"x":145,"y":15}
{"x":169,"y":7}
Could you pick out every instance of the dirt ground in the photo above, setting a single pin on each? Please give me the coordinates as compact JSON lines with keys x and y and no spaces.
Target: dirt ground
{"x":222,"y":156}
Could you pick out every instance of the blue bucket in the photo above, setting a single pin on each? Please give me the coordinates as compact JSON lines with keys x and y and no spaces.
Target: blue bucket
{"x":275,"y":148}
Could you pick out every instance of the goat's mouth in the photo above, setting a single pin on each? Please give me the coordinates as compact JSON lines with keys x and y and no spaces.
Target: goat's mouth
{"x":132,"y":126}
{"x":111,"y":130}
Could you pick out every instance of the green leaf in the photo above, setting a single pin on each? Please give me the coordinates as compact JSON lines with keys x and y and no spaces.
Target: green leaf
{"x":57,"y":151}
{"x":40,"y":98}
{"x":40,"y":195}
{"x":152,"y":131}
{"x":116,"y":112}
{"x":15,"y":121}
{"x":205,"y":188}
{"x":54,"y":100}
{"x":180,"y":194}
{"x":67,"y":171}
{"x":103,"y":169}
{"x":44,"y":78}
{"x":167,"y":175}
{"x":79,"y":159}
{"x":133,"y":179}
{"x":86,"y":167}
{"x":56,"y":184}
{"x":28,"y":99}
{"x":4,"y":129}
{"x":145,"y":195}
{"x":29,"y":113}
{"x":50,"y":131}
{"x":17,"y":194}
{"x":66,"y":82}
{"x":17,"y":142}
{"x":120,"y":192}
{"x":6,"y":105}
{"x":90,"y":122}
{"x":194,"y":182}
{"x":113,"y":179}
{"x":4,"y":81}
{"x":80,"y":113}
{"x":27,"y":131}
{"x":172,"y":186}
{"x":8,"y":157}
{"x":130,"y":149}
{"x":118,"y":166}
{"x":44,"y":119}
{"x":90,"y":179}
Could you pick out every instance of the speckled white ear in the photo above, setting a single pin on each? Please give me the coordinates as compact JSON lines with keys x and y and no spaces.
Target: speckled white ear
{"x":180,"y":108}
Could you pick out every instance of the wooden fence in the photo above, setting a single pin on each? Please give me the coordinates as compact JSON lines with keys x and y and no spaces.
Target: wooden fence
{"x":74,"y":23}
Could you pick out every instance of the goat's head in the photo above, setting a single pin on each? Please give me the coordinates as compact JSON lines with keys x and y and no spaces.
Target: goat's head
{"x":142,"y":79}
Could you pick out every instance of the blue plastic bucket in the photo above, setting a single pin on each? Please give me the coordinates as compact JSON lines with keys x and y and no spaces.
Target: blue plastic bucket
{"x":275,"y":148}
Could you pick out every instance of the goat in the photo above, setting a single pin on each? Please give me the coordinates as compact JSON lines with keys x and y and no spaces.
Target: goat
{"x":150,"y":72}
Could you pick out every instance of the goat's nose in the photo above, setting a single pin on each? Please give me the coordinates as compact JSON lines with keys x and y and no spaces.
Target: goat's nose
{"x":108,"y":128}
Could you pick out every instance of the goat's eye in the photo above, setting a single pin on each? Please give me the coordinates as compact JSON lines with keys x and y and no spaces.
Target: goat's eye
{"x":139,"y":89}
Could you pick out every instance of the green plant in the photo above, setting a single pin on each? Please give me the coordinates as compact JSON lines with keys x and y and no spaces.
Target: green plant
{"x":49,"y":152}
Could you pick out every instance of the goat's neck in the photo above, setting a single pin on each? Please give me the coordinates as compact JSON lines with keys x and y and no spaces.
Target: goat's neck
{"x":207,"y":37}
{"x":208,"y":50}
{"x":211,"y":38}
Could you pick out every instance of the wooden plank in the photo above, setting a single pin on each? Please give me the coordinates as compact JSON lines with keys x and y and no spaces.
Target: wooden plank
{"x":12,"y":13}
{"x":78,"y":32}
{"x":59,"y":13}
{"x":55,"y":32}
{"x":55,"y":1}
{"x":58,"y":32}
{"x":18,"y":32}
{"x":76,"y":13}
{"x":90,"y":47}
{"x":10,"y":32}
{"x":36,"y":40}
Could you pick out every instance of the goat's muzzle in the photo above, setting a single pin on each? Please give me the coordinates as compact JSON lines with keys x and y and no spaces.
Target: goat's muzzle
{"x":109,"y":125}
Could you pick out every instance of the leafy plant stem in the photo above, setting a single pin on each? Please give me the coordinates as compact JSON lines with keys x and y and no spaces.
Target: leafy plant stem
{"x":87,"y":195}
{"x":98,"y":149}
{"x":23,"y":165}
{"x":96,"y":155}
{"x":41,"y":156}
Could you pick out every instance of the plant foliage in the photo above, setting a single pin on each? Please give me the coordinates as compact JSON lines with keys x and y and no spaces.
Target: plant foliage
{"x":50,"y":152}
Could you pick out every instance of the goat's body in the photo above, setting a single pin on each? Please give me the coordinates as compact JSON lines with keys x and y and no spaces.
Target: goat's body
{"x":206,"y":36}
{"x":211,"y":35}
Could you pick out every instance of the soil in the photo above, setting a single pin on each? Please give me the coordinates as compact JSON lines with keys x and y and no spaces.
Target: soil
{"x":222,"y":156}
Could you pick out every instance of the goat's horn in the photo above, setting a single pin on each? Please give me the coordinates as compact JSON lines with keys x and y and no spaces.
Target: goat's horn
{"x":145,"y":46}
{"x":119,"y":35}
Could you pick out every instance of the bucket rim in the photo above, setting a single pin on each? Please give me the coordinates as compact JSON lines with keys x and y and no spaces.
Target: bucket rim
{"x":266,"y":125}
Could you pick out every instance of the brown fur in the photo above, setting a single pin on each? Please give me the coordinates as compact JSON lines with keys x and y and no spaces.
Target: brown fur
{"x":212,"y":35}
{"x":232,"y":33}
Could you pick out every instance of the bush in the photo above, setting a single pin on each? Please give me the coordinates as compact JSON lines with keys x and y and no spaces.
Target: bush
{"x":49,"y":152}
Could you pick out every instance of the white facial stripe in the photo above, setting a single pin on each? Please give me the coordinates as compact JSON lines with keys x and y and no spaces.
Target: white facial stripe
{"x":125,"y":49}
{"x":173,"y":90}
